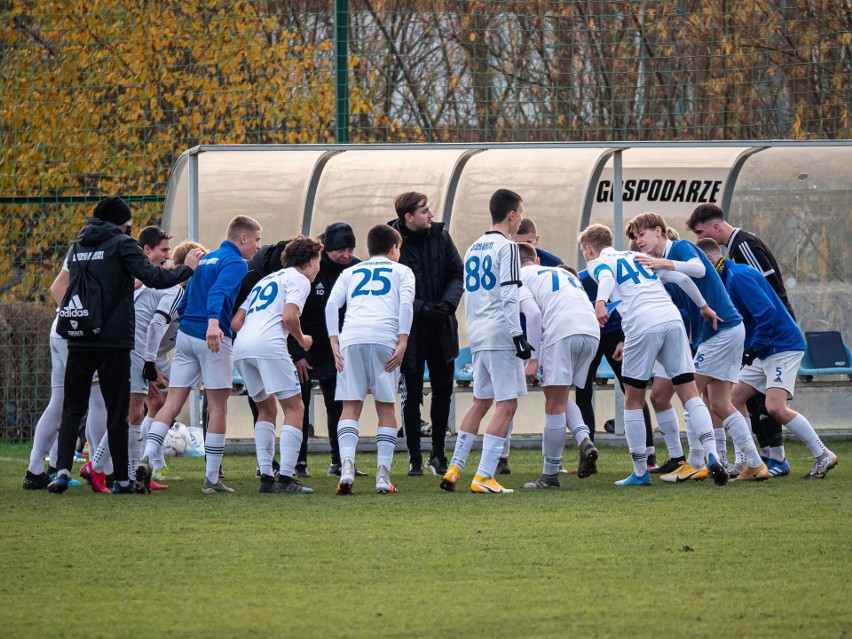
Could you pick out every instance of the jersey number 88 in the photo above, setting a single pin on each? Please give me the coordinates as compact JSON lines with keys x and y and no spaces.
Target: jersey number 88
{"x":478,"y":274}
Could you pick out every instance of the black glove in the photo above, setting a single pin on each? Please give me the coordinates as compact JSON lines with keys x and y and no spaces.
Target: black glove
{"x":749,"y":356}
{"x":522,"y":347}
{"x":436,"y":310}
{"x":149,"y":371}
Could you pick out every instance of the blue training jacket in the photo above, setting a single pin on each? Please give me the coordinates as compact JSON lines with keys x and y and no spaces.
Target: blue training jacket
{"x":212,"y":291}
{"x":769,"y":327}
{"x":711,"y":289}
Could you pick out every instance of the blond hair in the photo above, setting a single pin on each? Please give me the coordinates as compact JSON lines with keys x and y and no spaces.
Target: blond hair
{"x":242,"y":224}
{"x":597,"y":236}
{"x":180,"y":252}
{"x":644,"y":221}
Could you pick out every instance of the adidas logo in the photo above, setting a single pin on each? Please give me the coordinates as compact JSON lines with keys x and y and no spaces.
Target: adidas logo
{"x":320,"y":290}
{"x":777,"y":380}
{"x":74,"y":308}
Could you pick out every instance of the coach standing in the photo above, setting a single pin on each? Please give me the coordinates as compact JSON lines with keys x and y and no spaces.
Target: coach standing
{"x":428,"y":250}
{"x":112,"y":259}
{"x":318,"y":363}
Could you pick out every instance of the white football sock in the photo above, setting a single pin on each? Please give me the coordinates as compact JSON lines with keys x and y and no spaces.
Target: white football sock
{"x":291,"y":442}
{"x":668,"y":424}
{"x":492,"y":448}
{"x":54,"y":452}
{"x":464,"y":442}
{"x":101,"y":454}
{"x":135,"y":444}
{"x":721,"y":443}
{"x":777,"y":453}
{"x":156,"y":434}
{"x":264,"y":446}
{"x":802,"y":429}
{"x":702,"y":425}
{"x":574,"y":419}
{"x":146,"y":426}
{"x":740,"y":432}
{"x":634,"y":432}
{"x":385,"y":445}
{"x":96,"y":420}
{"x":553,"y":442}
{"x":214,"y":448}
{"x":507,"y":445}
{"x":347,"y":438}
{"x":46,"y":431}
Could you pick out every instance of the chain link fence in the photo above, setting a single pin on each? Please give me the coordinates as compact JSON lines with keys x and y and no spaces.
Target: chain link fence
{"x":101,"y":97}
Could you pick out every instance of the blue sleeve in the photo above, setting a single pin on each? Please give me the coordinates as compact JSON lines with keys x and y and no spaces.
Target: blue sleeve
{"x":228,"y":281}
{"x":181,"y":309}
{"x":750,"y":295}
{"x":683,"y":251}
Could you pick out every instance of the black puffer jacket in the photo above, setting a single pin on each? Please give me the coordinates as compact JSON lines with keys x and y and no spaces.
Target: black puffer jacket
{"x":320,"y":356}
{"x":439,"y":279}
{"x":114,"y":260}
{"x":267,"y":260}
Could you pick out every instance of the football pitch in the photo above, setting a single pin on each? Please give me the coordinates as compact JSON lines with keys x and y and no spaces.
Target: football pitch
{"x":591,"y":560}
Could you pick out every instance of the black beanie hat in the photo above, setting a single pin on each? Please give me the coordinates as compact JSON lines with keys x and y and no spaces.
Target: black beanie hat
{"x":338,"y":236}
{"x":113,"y":209}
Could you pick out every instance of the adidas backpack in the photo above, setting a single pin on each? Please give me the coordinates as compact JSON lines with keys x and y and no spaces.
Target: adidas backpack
{"x":82,"y":306}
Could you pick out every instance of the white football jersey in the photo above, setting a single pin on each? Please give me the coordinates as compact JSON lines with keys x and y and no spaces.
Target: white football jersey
{"x":263,"y":334}
{"x":565,"y":307}
{"x":492,"y":269}
{"x":644,"y":300}
{"x":379,"y":299}
{"x":147,"y":303}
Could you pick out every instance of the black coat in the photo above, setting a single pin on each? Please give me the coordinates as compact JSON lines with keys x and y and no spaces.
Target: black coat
{"x":267,"y":260}
{"x":439,"y":283}
{"x":320,"y":357}
{"x":114,"y":260}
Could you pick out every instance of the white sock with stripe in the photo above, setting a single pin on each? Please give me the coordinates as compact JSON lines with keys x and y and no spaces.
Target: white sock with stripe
{"x":702,"y":426}
{"x":574,"y":419}
{"x":156,"y":434}
{"x":347,"y":438}
{"x":507,"y":445}
{"x":385,"y":445}
{"x":135,"y":444}
{"x":214,"y":449}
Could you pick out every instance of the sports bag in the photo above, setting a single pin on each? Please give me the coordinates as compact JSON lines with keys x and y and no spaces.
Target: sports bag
{"x":81,"y":311}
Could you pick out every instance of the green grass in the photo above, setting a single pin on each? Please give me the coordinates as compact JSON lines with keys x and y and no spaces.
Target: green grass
{"x":769,"y":559}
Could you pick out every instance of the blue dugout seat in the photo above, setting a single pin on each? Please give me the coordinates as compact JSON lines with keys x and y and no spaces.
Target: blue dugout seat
{"x":825,"y":354}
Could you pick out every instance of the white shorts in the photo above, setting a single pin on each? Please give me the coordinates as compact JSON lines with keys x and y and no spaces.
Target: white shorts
{"x":666,"y":343}
{"x":265,"y":377}
{"x":721,"y":356}
{"x":498,"y":375}
{"x":566,"y":362}
{"x":364,"y":371}
{"x":195,"y":364}
{"x":58,"y":361}
{"x":776,"y":371}
{"x":139,"y":385}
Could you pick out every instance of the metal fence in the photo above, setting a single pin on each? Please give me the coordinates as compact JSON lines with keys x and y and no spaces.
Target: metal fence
{"x":101,"y":97}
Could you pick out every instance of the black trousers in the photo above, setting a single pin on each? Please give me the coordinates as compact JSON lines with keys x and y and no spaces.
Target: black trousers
{"x":333,"y":411}
{"x":441,"y":380}
{"x":113,"y":368}
{"x":584,"y":395}
{"x":766,"y":429}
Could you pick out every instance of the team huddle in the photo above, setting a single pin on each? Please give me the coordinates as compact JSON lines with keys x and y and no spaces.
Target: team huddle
{"x":704,"y":327}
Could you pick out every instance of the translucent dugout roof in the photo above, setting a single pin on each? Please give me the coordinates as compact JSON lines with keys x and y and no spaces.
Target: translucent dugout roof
{"x":359,"y":187}
{"x":668,"y":181}
{"x":270,"y":186}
